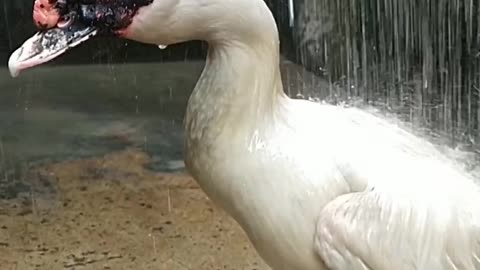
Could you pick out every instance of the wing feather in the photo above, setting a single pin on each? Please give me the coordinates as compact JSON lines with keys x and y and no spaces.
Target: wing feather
{"x":380,"y":231}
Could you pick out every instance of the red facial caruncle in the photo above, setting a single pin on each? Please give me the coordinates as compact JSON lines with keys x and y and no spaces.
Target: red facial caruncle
{"x":45,"y":15}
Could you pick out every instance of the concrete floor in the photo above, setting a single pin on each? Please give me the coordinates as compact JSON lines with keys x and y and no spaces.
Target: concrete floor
{"x":112,"y":213}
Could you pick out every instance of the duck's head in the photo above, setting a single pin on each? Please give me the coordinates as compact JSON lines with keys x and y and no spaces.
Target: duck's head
{"x":63,"y":24}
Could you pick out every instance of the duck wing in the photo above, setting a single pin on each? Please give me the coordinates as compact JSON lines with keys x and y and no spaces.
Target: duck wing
{"x":387,"y":231}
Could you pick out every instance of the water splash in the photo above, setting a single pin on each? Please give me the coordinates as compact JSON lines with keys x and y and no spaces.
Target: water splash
{"x":419,"y":59}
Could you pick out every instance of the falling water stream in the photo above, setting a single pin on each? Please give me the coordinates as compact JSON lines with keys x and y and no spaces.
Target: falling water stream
{"x":416,"y":58}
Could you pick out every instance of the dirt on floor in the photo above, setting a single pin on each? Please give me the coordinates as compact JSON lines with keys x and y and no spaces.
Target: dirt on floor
{"x":112,"y":213}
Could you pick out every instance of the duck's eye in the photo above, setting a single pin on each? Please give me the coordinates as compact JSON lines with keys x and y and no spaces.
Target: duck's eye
{"x":66,"y":20}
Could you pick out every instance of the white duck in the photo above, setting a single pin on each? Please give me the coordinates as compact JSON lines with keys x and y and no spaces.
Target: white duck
{"x":313,"y":186}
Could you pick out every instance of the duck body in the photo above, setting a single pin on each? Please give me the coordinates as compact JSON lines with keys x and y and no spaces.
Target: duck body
{"x":315,"y":187}
{"x":236,"y":148}
{"x":276,"y":208}
{"x":280,"y":167}
{"x":290,"y":173}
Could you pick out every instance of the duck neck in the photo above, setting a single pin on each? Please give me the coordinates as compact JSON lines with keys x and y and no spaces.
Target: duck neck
{"x":240,"y":87}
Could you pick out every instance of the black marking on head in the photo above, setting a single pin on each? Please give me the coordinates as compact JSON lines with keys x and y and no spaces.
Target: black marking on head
{"x":108,"y":16}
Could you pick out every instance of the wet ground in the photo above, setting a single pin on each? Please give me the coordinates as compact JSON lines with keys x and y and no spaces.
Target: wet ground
{"x":110,"y":212}
{"x":91,"y":172}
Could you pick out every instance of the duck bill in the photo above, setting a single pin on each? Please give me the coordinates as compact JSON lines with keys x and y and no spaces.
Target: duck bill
{"x":47,"y":45}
